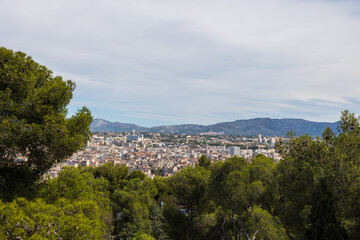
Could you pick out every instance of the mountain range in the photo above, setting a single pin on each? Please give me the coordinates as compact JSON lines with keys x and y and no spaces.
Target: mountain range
{"x":251,"y":127}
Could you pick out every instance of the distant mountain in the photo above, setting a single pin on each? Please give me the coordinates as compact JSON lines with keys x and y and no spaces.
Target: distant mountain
{"x":272,"y":127}
{"x":251,"y":127}
{"x":99,"y":124}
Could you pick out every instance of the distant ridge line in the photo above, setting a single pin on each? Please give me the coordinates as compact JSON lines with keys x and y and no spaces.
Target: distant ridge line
{"x":249,"y":127}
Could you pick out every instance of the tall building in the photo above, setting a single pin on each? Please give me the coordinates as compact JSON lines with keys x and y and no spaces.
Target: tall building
{"x":135,"y":138}
{"x":234,"y":151}
{"x":272,"y":141}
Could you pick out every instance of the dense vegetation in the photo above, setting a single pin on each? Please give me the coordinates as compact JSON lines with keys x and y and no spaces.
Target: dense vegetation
{"x":35,"y":132}
{"x":313,"y":193}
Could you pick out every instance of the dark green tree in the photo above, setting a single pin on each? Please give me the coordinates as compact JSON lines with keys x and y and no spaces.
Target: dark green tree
{"x":176,"y":223}
{"x":204,"y":161}
{"x":134,"y":202}
{"x":136,"y":174}
{"x":189,"y":187}
{"x":35,"y":132}
{"x":157,"y":222}
{"x":245,"y":193}
{"x":335,"y":157}
{"x":114,"y":173}
{"x":323,"y":222}
{"x":296,"y":174}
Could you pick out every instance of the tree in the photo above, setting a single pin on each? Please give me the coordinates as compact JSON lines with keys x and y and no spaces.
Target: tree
{"x":204,"y":161}
{"x":228,"y":188}
{"x":189,"y":187}
{"x":336,"y":158}
{"x":245,"y":192}
{"x":74,"y":185}
{"x":142,"y":236}
{"x":114,"y":173}
{"x":296,"y":174}
{"x":323,"y":223}
{"x":136,"y":174}
{"x":35,"y":132}
{"x":134,"y":202}
{"x":23,"y":219}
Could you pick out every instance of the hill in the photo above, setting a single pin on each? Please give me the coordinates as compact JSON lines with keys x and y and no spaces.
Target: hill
{"x":251,"y":127}
{"x":102,"y":125}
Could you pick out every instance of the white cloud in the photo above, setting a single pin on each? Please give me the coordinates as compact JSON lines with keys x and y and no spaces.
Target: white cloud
{"x":190,"y":61}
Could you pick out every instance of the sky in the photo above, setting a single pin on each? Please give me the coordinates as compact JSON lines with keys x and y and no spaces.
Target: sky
{"x":164,"y":62}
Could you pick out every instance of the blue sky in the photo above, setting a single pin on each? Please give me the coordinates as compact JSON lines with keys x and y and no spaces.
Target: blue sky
{"x":171,"y":62}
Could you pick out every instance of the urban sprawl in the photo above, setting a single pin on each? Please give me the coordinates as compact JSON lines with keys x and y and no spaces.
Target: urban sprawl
{"x":165,"y":154}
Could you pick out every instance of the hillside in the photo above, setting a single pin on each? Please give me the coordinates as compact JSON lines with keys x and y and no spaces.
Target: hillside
{"x":251,"y":127}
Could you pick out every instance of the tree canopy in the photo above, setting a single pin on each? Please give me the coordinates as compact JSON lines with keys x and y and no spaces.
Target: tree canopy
{"x":35,"y":132}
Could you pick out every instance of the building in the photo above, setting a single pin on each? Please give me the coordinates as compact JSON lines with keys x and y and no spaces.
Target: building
{"x":234,"y":151}
{"x":135,"y":138}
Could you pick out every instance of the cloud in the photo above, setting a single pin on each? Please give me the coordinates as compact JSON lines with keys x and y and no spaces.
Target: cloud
{"x":195,"y":61}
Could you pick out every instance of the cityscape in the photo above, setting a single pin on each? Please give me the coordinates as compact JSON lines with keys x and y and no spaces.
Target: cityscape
{"x":165,"y":154}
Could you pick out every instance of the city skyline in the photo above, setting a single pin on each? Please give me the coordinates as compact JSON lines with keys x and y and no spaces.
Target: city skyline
{"x":204,"y":62}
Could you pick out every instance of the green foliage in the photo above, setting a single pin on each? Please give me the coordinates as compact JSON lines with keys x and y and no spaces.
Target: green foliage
{"x":163,"y":188}
{"x":33,"y":122}
{"x":157,"y":222}
{"x":204,"y":161}
{"x":335,"y":158}
{"x":136,"y":174}
{"x":262,"y":176}
{"x":86,"y":193}
{"x":296,"y":174}
{"x":134,"y":202}
{"x":189,"y":187}
{"x":142,"y":236}
{"x":228,"y":183}
{"x":246,"y":193}
{"x":75,"y":184}
{"x":264,"y":226}
{"x":322,"y":221}
{"x":175,"y":223}
{"x":114,"y":173}
{"x":21,"y":219}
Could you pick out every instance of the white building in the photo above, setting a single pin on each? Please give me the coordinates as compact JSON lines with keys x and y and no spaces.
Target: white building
{"x":135,"y":138}
{"x":234,"y":151}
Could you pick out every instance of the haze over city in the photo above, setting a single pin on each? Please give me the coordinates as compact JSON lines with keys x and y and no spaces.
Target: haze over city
{"x":172,"y":62}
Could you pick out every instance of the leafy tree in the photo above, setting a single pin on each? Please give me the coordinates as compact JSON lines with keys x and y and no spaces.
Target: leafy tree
{"x":262,"y":172}
{"x":264,"y":226}
{"x":296,"y":173}
{"x":157,"y":222}
{"x":240,"y":189}
{"x":204,"y":161}
{"x":163,"y":188}
{"x":134,"y":202}
{"x":33,"y":122}
{"x":189,"y":187}
{"x":136,"y":174}
{"x":114,"y":173}
{"x":228,"y":186}
{"x":22,"y":219}
{"x":76,"y":186}
{"x":142,"y":236}
{"x":335,"y":157}
{"x":175,"y":223}
{"x":345,"y":177}
{"x":323,"y":222}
